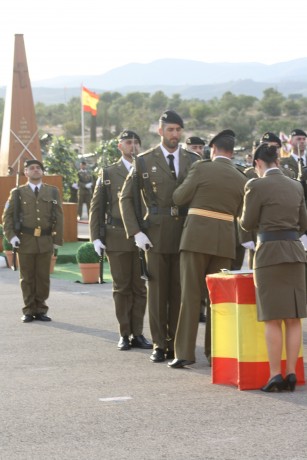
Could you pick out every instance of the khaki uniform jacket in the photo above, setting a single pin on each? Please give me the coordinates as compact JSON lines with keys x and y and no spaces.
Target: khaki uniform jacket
{"x":35,"y":212}
{"x":291,"y":164}
{"x":84,"y":177}
{"x":274,"y":203}
{"x":115,"y":234}
{"x":213,"y":186}
{"x":164,"y":230}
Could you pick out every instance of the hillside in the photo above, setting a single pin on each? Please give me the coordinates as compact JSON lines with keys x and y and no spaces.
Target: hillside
{"x":191,"y":79}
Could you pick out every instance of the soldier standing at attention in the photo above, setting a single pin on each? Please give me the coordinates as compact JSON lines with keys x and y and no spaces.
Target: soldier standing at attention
{"x":129,"y":290}
{"x":33,"y":220}
{"x":85,"y":188}
{"x":159,"y":172}
{"x":214,"y":191}
{"x":298,"y":143}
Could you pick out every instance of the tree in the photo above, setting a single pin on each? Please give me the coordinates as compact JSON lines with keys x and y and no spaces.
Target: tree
{"x":271,"y":102}
{"x":107,"y":153}
{"x":61,"y":159}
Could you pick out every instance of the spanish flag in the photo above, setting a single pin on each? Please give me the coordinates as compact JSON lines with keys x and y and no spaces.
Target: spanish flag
{"x":89,"y":101}
{"x":239,"y":353}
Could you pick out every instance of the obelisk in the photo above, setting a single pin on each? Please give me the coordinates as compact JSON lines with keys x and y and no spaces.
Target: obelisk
{"x":20,"y":140}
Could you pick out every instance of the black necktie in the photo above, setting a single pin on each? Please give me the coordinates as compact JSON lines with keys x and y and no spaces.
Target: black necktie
{"x":36,"y":191}
{"x":171,"y":164}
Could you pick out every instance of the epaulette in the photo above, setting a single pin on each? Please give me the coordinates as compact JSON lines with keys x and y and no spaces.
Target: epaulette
{"x":252,"y":180}
{"x":147,"y":152}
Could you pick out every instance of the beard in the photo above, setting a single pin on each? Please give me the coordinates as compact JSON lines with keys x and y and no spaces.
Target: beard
{"x":171,"y":143}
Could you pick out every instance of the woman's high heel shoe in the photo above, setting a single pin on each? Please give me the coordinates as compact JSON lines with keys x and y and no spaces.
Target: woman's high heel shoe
{"x":290,"y":382}
{"x":275,"y":384}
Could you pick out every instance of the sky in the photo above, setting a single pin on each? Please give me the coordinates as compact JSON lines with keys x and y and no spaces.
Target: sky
{"x":92,"y":37}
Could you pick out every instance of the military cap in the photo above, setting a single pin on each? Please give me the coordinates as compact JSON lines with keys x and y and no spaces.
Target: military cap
{"x":298,"y":132}
{"x":194,"y":140}
{"x":224,"y":133}
{"x":170,"y":116}
{"x":270,"y":137}
{"x":28,"y":163}
{"x":128,"y":134}
{"x":263,"y":151}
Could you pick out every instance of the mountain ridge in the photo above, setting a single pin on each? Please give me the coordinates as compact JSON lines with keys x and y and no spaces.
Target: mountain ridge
{"x":191,"y":79}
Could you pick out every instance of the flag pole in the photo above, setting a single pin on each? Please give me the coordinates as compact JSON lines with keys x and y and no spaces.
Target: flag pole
{"x":82,"y":120}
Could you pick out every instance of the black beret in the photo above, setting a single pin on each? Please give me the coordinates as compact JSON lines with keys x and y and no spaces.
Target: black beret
{"x":28,"y":163}
{"x":270,"y":137}
{"x":298,"y":132}
{"x":224,"y":133}
{"x":194,"y":140}
{"x":170,"y":116}
{"x":127,"y":134}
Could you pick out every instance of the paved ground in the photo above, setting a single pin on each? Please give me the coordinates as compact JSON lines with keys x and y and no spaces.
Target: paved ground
{"x":67,"y":393}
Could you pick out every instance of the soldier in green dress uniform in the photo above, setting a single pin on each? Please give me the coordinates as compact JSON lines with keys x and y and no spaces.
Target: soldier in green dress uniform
{"x":33,"y":221}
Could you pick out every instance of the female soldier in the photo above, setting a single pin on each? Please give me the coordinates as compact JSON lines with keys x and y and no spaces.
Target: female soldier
{"x":275,"y":206}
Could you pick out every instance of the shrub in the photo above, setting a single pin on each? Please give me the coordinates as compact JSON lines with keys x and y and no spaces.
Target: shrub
{"x":6,"y":244}
{"x":86,"y":254}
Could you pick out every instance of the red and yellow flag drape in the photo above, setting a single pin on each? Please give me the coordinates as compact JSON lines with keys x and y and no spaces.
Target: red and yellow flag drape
{"x":239,"y":353}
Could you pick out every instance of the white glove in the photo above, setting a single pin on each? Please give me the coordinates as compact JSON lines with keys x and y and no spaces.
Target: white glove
{"x":142,"y":241}
{"x":15,"y":241}
{"x":75,"y":186}
{"x":56,"y":246}
{"x":249,"y":245}
{"x":98,"y":245}
{"x":89,"y":185}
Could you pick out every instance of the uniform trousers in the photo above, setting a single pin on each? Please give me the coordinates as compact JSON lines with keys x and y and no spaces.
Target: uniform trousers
{"x":84,"y":196}
{"x":35,"y":281}
{"x":163,"y":298}
{"x":193,"y":266}
{"x":129,"y":291}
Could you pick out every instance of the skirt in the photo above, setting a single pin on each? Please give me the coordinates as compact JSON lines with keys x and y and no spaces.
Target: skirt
{"x":281,"y":291}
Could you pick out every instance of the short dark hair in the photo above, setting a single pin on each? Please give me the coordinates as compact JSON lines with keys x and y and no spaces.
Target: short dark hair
{"x":226,"y":143}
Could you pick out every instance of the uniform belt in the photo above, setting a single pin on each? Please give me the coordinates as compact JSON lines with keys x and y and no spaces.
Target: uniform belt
{"x":291,"y":235}
{"x":211,"y":214}
{"x":36,"y":231}
{"x":115,"y":221}
{"x":172,"y":211}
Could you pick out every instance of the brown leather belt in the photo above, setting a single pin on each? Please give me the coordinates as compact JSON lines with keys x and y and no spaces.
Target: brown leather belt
{"x":211,"y":214}
{"x":36,"y":231}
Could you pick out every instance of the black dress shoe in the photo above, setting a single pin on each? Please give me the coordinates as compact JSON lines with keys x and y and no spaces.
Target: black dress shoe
{"x":157,"y":355}
{"x":124,"y":343}
{"x":178,"y":363}
{"x":27,"y":318}
{"x":42,"y":317}
{"x":290,"y":382}
{"x":139,"y":341}
{"x":170,"y":354}
{"x":275,"y":384}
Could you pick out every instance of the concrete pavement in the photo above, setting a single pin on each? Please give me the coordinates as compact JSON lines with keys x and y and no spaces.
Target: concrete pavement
{"x":67,"y":393}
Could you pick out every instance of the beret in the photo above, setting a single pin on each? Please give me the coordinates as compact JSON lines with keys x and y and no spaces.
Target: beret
{"x":170,"y":116}
{"x":28,"y":163}
{"x":128,"y":134}
{"x":270,"y":137}
{"x":298,"y":132}
{"x":194,"y":140}
{"x":224,"y":133}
